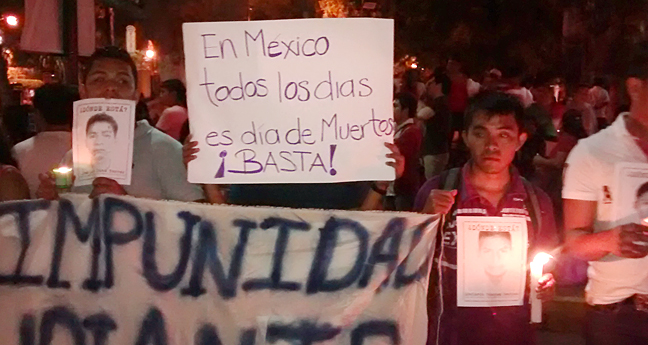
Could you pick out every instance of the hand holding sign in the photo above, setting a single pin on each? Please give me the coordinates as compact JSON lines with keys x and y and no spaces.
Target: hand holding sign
{"x":439,"y":201}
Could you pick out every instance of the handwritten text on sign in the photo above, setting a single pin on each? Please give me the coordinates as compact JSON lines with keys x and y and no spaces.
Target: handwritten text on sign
{"x":296,"y":101}
{"x":134,"y":271}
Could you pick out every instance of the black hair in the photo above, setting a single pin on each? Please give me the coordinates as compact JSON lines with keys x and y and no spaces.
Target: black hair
{"x":176,"y":85}
{"x":110,"y":52}
{"x":643,"y":189}
{"x":444,"y":80}
{"x":488,"y":234}
{"x":103,"y":117}
{"x":494,"y":103}
{"x":409,"y":79}
{"x":5,"y":153}
{"x":55,"y":102}
{"x":638,"y":61}
{"x":16,"y":122}
{"x":572,"y":123}
{"x":407,"y":101}
{"x":599,"y":81}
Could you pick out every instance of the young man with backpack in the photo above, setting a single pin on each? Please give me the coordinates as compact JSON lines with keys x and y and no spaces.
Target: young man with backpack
{"x":486,"y":186}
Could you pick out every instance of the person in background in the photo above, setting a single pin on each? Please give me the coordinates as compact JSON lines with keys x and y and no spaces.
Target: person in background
{"x":458,"y":95}
{"x":411,"y":82}
{"x":512,"y":85}
{"x":485,"y":186}
{"x":43,"y":152}
{"x":158,"y":172}
{"x":599,"y":98}
{"x":617,"y":287}
{"x":550,"y":168}
{"x":173,"y":95}
{"x":580,"y":101}
{"x":12,"y":185}
{"x":435,"y":150}
{"x":408,"y":138}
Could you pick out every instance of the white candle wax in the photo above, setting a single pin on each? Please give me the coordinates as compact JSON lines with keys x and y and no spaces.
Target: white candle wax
{"x":536,"y":303}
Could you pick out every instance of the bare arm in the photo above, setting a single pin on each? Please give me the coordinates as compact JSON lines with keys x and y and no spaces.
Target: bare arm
{"x":581,"y":241}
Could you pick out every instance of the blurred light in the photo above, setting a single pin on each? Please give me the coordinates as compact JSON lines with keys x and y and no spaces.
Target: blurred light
{"x":1,"y":39}
{"x":11,"y":20}
{"x":150,"y":51}
{"x":414,"y":65}
{"x":542,"y":258}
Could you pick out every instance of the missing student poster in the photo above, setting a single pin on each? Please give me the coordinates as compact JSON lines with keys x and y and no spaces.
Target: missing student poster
{"x":491,"y":261}
{"x":630,"y":202}
{"x":102,"y":140}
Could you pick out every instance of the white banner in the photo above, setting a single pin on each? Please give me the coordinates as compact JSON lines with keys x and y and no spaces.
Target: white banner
{"x":134,"y":271}
{"x":290,"y":101}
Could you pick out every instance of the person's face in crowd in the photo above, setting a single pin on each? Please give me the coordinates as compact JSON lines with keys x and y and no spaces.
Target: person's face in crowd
{"x":493,"y":141}
{"x":400,"y":114}
{"x":453,"y":66}
{"x":100,"y":140}
{"x":638,"y":92}
{"x":167,"y":98}
{"x":434,"y":89}
{"x":110,"y":78}
{"x":495,"y":254}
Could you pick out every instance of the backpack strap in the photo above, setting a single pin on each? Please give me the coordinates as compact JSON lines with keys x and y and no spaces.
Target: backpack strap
{"x":533,"y":207}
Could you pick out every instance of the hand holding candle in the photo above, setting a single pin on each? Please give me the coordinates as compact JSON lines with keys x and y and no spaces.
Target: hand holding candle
{"x":536,"y":274}
{"x":63,"y":177}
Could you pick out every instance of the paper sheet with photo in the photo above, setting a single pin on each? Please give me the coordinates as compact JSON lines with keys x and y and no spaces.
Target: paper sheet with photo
{"x":491,"y":261}
{"x":630,"y":195}
{"x":102,"y":140}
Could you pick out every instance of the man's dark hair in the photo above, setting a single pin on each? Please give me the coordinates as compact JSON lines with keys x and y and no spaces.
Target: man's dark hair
{"x":488,"y":234}
{"x":175,"y":85}
{"x":494,"y":103}
{"x":638,"y":61}
{"x":444,"y":80}
{"x":642,"y":190}
{"x":55,"y":103}
{"x":103,"y":117}
{"x":110,"y":52}
{"x":407,"y":101}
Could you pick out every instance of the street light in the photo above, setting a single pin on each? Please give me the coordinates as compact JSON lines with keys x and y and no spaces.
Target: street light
{"x":150,"y":51}
{"x":11,"y":20}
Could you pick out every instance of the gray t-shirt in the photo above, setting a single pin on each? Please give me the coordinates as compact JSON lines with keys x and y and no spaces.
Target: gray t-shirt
{"x":158,"y":171}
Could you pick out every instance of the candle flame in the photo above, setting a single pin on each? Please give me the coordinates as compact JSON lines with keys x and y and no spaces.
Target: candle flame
{"x":62,"y":170}
{"x":542,"y":258}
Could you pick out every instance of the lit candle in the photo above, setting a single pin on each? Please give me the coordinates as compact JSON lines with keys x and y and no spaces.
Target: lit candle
{"x":536,"y":273}
{"x":63,"y":177}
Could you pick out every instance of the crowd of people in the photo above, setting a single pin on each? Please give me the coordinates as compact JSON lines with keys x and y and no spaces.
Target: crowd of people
{"x":495,"y":146}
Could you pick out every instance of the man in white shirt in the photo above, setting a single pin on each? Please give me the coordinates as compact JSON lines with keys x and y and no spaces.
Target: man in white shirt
{"x":43,"y":152}
{"x":615,"y":246}
{"x":158,"y":171}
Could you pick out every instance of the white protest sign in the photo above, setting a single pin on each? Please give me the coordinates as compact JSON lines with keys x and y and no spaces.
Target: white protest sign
{"x":102,"y":140}
{"x":290,"y":101}
{"x":136,"y":271}
{"x":491,"y":261}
